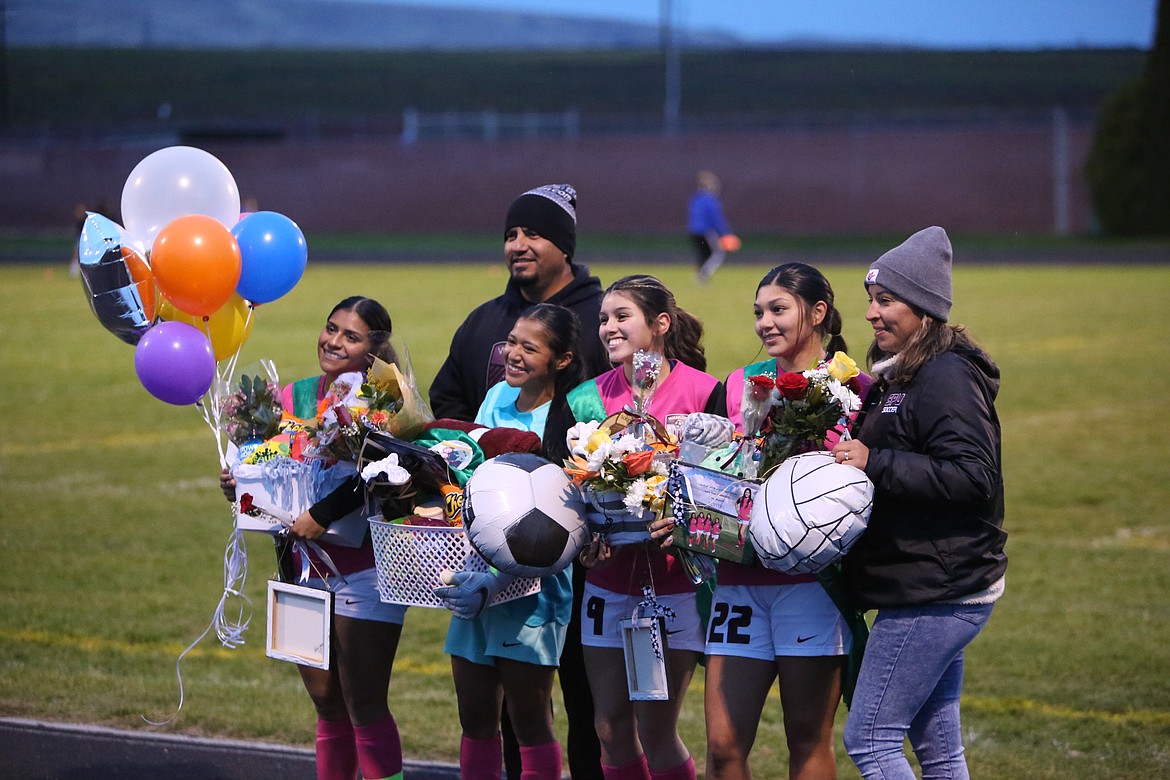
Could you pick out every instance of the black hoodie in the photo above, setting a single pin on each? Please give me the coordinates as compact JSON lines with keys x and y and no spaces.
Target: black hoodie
{"x":936,"y":532}
{"x":476,"y":360}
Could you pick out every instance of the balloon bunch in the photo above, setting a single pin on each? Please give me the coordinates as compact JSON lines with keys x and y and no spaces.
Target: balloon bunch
{"x":181,"y":280}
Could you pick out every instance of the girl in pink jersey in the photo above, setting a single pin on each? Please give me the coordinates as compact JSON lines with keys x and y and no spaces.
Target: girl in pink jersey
{"x":639,"y":740}
{"x":766,"y":625}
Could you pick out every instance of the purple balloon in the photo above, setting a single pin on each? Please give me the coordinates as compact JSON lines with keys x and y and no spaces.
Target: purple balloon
{"x":175,"y":363}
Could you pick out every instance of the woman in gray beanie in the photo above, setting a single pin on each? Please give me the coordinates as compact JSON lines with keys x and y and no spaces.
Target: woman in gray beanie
{"x":932,"y":559}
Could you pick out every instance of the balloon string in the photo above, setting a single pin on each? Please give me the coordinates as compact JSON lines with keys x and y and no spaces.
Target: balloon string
{"x":230,"y":370}
{"x":209,"y":412}
{"x":229,"y":630}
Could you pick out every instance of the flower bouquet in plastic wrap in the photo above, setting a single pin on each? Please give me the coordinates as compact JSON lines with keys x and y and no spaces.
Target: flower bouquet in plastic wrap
{"x":313,"y":456}
{"x":621,"y":463}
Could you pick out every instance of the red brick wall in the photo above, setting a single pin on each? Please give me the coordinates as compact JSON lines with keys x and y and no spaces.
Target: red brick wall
{"x":990,"y":179}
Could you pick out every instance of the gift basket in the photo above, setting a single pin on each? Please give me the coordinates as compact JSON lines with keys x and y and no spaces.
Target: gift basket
{"x":418,"y":485}
{"x":410,"y":558}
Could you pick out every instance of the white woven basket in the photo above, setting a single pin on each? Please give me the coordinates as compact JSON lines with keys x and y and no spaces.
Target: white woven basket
{"x":411,"y":557}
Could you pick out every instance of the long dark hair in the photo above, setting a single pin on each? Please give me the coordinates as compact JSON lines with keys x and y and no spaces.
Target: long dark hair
{"x":684,"y":340}
{"x":808,"y":286}
{"x":561,"y":330}
{"x":377,"y":319}
{"x":932,"y":338}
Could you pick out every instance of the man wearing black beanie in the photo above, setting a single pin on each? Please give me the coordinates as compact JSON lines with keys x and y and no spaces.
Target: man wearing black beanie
{"x":540,"y":238}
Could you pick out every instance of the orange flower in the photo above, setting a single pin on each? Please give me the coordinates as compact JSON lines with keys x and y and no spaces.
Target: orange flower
{"x":578,"y":471}
{"x":661,"y":446}
{"x":638,"y":462}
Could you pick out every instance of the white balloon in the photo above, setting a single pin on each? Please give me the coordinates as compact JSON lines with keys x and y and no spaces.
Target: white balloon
{"x":174,"y":182}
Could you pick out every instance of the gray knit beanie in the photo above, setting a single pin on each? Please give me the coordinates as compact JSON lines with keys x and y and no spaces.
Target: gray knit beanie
{"x":918,"y":271}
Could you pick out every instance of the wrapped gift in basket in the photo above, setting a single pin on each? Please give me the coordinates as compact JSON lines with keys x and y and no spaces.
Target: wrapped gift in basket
{"x":413,"y":550}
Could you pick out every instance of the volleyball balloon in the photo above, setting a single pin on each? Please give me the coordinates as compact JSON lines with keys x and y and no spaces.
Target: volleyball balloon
{"x":811,"y":511}
{"x":523,"y":515}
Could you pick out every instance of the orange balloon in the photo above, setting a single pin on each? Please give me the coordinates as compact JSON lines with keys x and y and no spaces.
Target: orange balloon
{"x":228,"y":328}
{"x":140,"y":273}
{"x":196,"y":263}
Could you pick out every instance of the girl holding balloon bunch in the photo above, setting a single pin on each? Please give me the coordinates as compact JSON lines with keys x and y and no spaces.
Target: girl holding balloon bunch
{"x":354,"y":725}
{"x":640,"y":740}
{"x":509,"y":653}
{"x":783,"y":627}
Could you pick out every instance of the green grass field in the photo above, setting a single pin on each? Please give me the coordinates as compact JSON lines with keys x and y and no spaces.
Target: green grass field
{"x":113,"y":526}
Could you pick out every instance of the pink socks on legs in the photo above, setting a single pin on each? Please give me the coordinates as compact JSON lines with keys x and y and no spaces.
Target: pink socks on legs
{"x":540,"y":762}
{"x":481,"y":759}
{"x":379,"y":749}
{"x":336,"y":754}
{"x":684,"y":771}
{"x":635,"y":771}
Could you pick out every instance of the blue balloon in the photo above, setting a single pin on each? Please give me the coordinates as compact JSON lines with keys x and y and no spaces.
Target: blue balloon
{"x":175,"y":363}
{"x":273,"y":255}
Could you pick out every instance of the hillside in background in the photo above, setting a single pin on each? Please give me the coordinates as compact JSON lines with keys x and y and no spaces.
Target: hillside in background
{"x":112,"y":91}
{"x":314,"y":24}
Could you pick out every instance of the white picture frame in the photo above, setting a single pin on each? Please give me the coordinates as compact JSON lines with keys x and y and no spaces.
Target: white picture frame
{"x":646,"y":672}
{"x":300,"y":623}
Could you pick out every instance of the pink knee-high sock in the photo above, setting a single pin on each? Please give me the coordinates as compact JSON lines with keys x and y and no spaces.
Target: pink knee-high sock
{"x":481,"y":759}
{"x":379,"y":749}
{"x":336,"y":754}
{"x":635,"y":771}
{"x":684,"y":771}
{"x":540,"y":762}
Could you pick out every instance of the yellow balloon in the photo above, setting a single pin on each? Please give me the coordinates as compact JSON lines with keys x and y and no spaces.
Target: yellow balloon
{"x":228,"y":328}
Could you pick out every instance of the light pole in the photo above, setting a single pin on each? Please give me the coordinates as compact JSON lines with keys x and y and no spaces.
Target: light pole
{"x":3,"y":65}
{"x":671,"y":111}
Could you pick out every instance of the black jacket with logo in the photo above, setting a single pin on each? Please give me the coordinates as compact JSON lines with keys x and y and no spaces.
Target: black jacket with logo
{"x":475,"y":361}
{"x":936,"y":532}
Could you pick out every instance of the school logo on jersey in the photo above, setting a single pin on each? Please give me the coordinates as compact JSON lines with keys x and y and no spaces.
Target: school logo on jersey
{"x":892,"y":402}
{"x":495,"y":366}
{"x":674,"y":424}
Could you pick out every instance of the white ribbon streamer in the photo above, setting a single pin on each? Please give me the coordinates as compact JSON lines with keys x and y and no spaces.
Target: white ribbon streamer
{"x":229,"y":628}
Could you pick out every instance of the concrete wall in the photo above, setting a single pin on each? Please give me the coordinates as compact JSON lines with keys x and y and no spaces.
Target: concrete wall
{"x":996,"y":178}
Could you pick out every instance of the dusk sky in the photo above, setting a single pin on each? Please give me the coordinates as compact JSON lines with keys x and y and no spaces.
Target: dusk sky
{"x":1014,"y":24}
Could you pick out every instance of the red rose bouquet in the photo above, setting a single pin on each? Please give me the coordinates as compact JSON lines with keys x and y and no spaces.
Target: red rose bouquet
{"x":803,"y":407}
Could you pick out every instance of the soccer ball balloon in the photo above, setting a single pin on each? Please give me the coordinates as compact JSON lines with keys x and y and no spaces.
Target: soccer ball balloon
{"x":522,"y":514}
{"x":812,"y":511}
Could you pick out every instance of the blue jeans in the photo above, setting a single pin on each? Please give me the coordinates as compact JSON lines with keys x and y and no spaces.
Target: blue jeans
{"x":911,"y":679}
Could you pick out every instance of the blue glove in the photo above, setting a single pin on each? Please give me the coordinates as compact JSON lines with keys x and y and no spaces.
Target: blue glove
{"x":468,"y":593}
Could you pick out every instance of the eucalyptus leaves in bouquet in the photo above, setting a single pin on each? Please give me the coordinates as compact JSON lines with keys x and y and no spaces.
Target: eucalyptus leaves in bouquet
{"x":253,"y":410}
